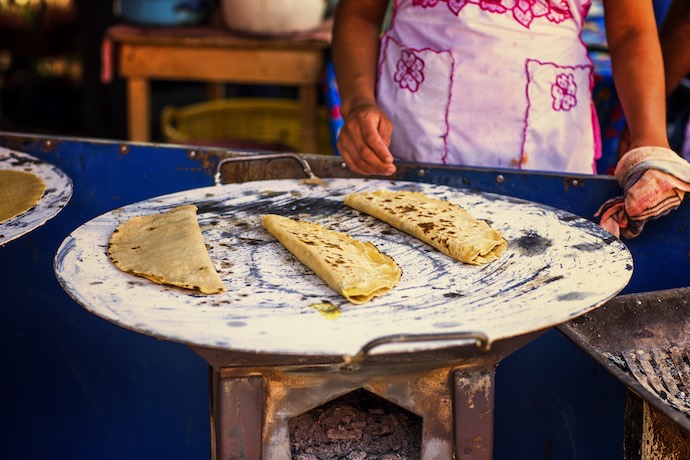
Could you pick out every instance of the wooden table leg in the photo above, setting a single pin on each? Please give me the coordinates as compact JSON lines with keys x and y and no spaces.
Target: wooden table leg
{"x":215,"y":90}
{"x":139,"y":109}
{"x":308,"y":101}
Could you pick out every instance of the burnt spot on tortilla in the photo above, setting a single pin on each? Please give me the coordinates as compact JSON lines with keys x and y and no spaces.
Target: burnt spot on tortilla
{"x":426,"y":226}
{"x":407,"y":208}
{"x":531,"y":244}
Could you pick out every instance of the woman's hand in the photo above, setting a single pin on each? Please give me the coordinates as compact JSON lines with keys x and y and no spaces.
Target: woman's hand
{"x":364,"y":139}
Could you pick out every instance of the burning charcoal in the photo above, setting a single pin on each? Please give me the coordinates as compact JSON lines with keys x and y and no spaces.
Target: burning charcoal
{"x":358,"y":425}
{"x":343,"y":434}
{"x":380,"y":430}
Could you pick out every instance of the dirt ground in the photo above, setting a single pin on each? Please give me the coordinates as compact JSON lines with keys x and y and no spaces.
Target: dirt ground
{"x":357,"y":426}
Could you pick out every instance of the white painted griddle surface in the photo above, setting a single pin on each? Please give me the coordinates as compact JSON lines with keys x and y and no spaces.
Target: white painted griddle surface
{"x":557,"y":266}
{"x":57,"y":195}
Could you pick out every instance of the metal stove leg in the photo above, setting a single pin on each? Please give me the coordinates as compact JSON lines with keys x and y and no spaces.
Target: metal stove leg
{"x":237,"y":413}
{"x":473,"y":414}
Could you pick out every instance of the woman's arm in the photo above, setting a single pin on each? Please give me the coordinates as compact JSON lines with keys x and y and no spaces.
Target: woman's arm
{"x":675,"y":43}
{"x":365,"y":135}
{"x":638,"y":69}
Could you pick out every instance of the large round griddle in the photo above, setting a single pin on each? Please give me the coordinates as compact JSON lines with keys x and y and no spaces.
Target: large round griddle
{"x":57,"y":194}
{"x":557,"y":266}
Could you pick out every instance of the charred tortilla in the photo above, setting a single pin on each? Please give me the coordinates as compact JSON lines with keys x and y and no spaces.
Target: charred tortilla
{"x":356,"y":270}
{"x":166,"y":248}
{"x":19,"y":192}
{"x":444,"y":225}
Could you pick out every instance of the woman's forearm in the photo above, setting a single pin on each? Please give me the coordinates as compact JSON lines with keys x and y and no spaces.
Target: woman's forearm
{"x":638,"y":69}
{"x":675,"y":43}
{"x":356,"y":34}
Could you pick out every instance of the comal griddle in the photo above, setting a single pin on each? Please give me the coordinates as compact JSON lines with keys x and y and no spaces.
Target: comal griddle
{"x":281,"y":342}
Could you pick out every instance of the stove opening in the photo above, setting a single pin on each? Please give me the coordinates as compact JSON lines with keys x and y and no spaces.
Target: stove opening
{"x":358,"y":425}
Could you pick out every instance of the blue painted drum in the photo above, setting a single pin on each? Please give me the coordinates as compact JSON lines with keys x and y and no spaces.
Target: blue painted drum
{"x":557,"y":267}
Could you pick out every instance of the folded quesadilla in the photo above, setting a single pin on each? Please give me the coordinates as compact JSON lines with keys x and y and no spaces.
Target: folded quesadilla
{"x":356,"y":270}
{"x":439,"y":223}
{"x":19,"y":192}
{"x":166,"y":248}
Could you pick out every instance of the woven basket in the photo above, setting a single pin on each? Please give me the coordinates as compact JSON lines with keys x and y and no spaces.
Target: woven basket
{"x":250,"y":123}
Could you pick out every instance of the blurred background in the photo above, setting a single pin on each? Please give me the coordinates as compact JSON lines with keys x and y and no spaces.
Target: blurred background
{"x":49,"y":69}
{"x":51,"y":66}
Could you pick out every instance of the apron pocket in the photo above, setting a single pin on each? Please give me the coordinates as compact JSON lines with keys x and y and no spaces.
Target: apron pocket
{"x":414,"y":91}
{"x":559,"y":126}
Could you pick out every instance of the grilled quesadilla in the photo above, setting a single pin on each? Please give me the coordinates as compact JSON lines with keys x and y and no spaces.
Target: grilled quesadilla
{"x":439,"y":223}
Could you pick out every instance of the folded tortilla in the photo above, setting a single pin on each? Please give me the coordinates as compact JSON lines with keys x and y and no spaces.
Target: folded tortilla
{"x":166,"y":248}
{"x":439,"y":223}
{"x":19,"y":192}
{"x":356,"y":270}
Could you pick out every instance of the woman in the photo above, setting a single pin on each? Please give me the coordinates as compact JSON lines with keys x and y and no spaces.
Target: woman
{"x":496,"y":83}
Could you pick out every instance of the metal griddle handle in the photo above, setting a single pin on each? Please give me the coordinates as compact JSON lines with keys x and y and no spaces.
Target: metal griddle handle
{"x":352,"y":362}
{"x":275,"y":156}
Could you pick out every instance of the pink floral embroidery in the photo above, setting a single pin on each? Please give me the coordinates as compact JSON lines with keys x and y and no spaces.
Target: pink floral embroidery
{"x":409,"y":71}
{"x":456,"y":5}
{"x":563,"y":92}
{"x":524,"y":11}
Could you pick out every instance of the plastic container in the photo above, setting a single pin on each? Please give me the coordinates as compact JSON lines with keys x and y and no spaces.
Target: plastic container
{"x":164,"y":12}
{"x":243,"y":123}
{"x":273,"y":17}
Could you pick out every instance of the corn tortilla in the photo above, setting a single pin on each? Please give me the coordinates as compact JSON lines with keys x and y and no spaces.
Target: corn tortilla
{"x":167,"y":248}
{"x":356,"y":270}
{"x":19,"y":192}
{"x":439,"y":223}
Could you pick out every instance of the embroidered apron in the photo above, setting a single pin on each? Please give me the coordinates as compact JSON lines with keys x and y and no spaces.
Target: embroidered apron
{"x":496,"y":83}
